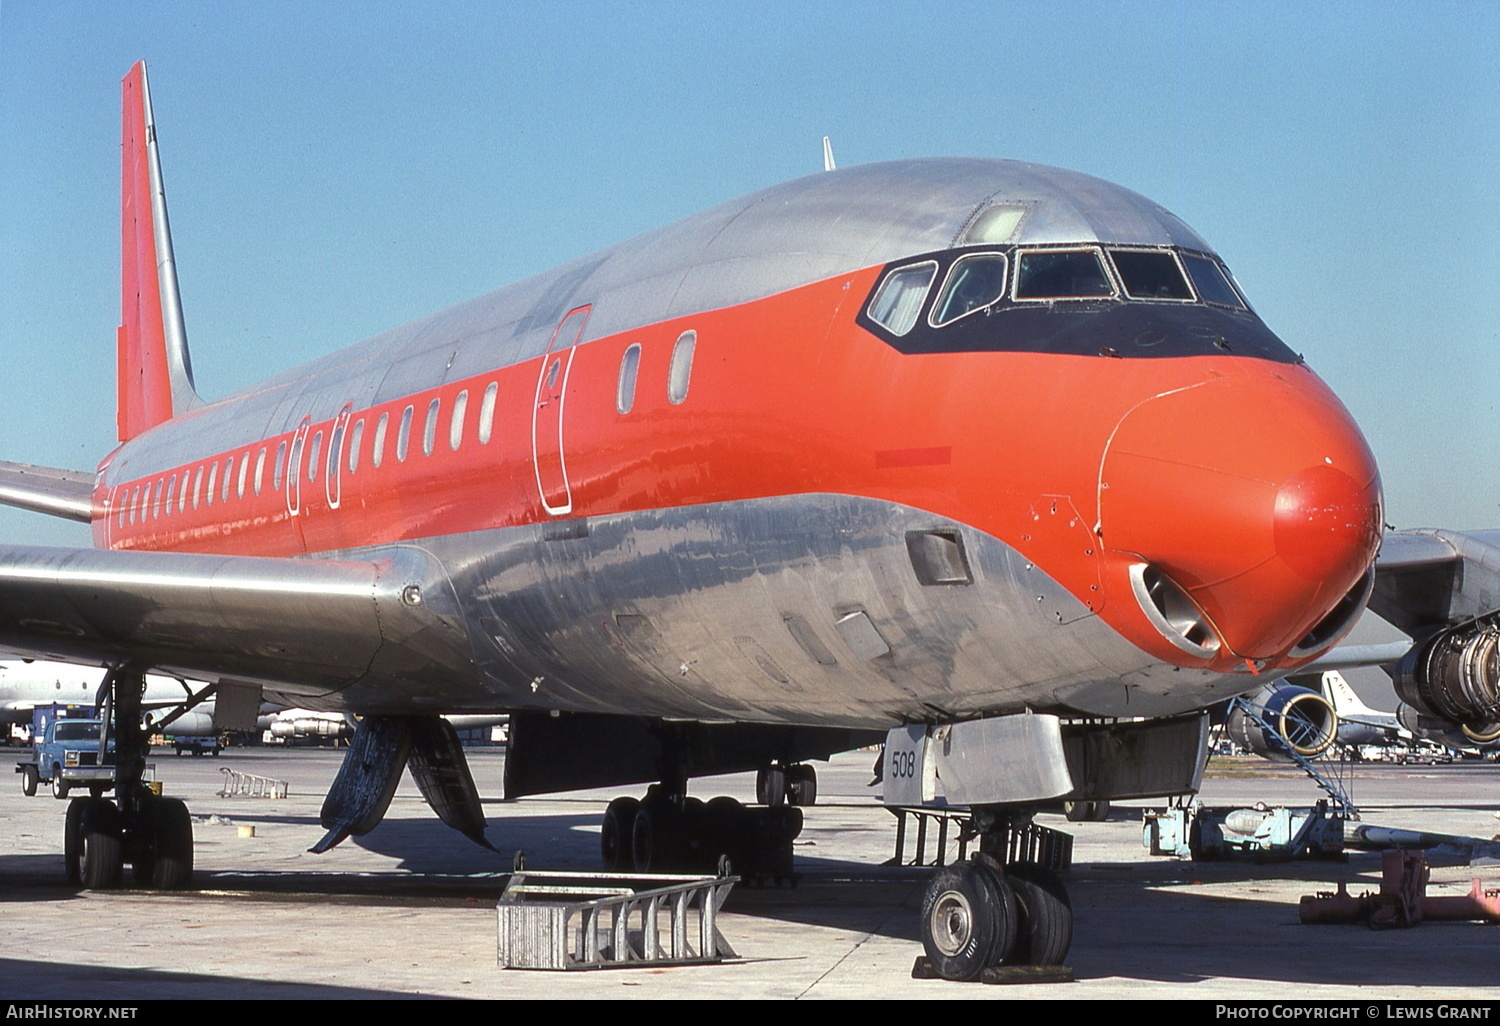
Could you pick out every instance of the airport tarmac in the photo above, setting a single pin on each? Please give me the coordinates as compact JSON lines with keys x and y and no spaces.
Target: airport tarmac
{"x":408,"y":910}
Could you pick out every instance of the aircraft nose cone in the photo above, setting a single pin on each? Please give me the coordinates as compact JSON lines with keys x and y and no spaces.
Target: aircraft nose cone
{"x":1326,"y":523}
{"x":1255,"y":493}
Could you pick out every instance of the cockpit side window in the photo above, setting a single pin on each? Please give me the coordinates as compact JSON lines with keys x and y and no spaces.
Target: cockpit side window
{"x":1151,"y":274}
{"x":898,"y":301}
{"x":1209,"y":278}
{"x":1062,"y":274}
{"x":973,"y":283}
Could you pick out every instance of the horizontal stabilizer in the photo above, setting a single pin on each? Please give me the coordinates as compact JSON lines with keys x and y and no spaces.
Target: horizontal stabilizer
{"x":58,"y":493}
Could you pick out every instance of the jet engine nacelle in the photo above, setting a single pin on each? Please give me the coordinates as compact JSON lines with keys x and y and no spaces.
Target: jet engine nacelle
{"x":189,"y":724}
{"x":296,"y":725}
{"x":1296,"y":719}
{"x":1455,"y":677}
{"x":1454,"y":735}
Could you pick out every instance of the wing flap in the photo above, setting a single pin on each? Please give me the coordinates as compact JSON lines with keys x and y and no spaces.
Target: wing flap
{"x":302,"y":626}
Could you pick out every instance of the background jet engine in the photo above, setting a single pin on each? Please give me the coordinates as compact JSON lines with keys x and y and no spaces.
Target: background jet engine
{"x":1296,"y":719}
{"x":1445,"y":732}
{"x":1455,"y":677}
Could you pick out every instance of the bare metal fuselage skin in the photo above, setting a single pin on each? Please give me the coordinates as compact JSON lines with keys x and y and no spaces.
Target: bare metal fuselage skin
{"x":808,"y":519}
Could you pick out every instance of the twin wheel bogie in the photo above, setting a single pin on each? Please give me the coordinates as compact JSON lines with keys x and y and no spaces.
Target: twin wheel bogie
{"x":667,"y":832}
{"x":156,"y":841}
{"x":978,"y":915}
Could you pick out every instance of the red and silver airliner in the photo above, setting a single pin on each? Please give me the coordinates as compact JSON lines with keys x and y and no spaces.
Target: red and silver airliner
{"x":900,"y":446}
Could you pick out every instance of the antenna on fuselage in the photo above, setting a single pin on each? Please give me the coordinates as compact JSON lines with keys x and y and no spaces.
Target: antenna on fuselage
{"x":828,"y":164}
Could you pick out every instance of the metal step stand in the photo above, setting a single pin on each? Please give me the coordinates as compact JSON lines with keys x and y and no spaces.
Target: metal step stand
{"x":1340,"y":803}
{"x":604,"y":920}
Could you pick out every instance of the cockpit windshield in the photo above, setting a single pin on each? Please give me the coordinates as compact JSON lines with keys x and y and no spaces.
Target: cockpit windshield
{"x":1062,"y":274}
{"x":1150,"y":274}
{"x":1210,"y":280}
{"x":974,"y":283}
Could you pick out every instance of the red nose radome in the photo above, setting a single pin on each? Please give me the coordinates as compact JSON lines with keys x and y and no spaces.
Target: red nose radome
{"x":1255,"y":493}
{"x":1326,"y":523}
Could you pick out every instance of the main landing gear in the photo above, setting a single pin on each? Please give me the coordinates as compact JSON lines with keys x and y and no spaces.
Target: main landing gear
{"x":985,"y":914}
{"x":669,"y":832}
{"x":152,"y":834}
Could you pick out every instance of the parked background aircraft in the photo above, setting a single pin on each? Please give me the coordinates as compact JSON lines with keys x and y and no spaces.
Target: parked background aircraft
{"x":26,"y":685}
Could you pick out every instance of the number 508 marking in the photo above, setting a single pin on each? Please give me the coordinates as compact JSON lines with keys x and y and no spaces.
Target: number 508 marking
{"x":903,"y":764}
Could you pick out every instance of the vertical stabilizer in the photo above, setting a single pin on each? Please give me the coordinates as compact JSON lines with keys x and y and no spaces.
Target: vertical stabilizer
{"x":155,"y":375}
{"x":1342,"y":697}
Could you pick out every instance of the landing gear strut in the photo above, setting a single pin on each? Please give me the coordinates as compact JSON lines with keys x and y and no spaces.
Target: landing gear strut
{"x":151,"y":833}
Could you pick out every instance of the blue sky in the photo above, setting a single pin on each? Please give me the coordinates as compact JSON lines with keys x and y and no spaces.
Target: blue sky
{"x":335,"y":169}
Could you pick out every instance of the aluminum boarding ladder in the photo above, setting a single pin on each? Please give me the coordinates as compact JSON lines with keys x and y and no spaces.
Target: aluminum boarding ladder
{"x":599,"y":920}
{"x":1338,"y":798}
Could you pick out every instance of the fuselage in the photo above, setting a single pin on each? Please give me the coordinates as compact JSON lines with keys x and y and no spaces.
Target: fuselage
{"x":911,"y":440}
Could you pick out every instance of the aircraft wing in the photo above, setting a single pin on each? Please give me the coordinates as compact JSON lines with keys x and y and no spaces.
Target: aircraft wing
{"x":307,"y":626}
{"x":60,"y":493}
{"x":1426,"y":579}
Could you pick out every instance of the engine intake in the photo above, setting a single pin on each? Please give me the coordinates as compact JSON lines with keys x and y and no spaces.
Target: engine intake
{"x":1283,"y":719}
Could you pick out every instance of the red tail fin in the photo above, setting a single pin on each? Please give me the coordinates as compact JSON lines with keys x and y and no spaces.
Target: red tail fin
{"x":154,"y":373}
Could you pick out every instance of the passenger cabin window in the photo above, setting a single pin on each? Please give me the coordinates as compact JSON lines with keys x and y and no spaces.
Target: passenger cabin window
{"x":899,"y":299}
{"x":456,"y":425}
{"x":356,"y":436}
{"x":487,"y":413}
{"x":156,"y":500}
{"x":429,"y":427}
{"x":213,"y":478}
{"x":403,"y":436}
{"x":377,"y":447}
{"x":625,"y":390}
{"x":171,"y":494}
{"x":239,"y":490}
{"x":681,"y":371}
{"x":1151,"y":274}
{"x":973,"y":283}
{"x":197,"y":486}
{"x":1212,"y":285}
{"x":280,"y":464}
{"x":1066,"y":274}
{"x":260,"y":470}
{"x":228,"y":475}
{"x":312,"y":455}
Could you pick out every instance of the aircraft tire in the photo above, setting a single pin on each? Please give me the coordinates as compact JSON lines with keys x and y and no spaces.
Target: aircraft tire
{"x":770,"y":786}
{"x":616,"y":835}
{"x":163,"y":857}
{"x":60,"y":786}
{"x":100,"y":858}
{"x":73,"y":841}
{"x":1086,"y":812}
{"x":802,"y":785}
{"x":968,"y":920}
{"x":653,"y":838}
{"x":29,"y":781}
{"x":1045,"y":931}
